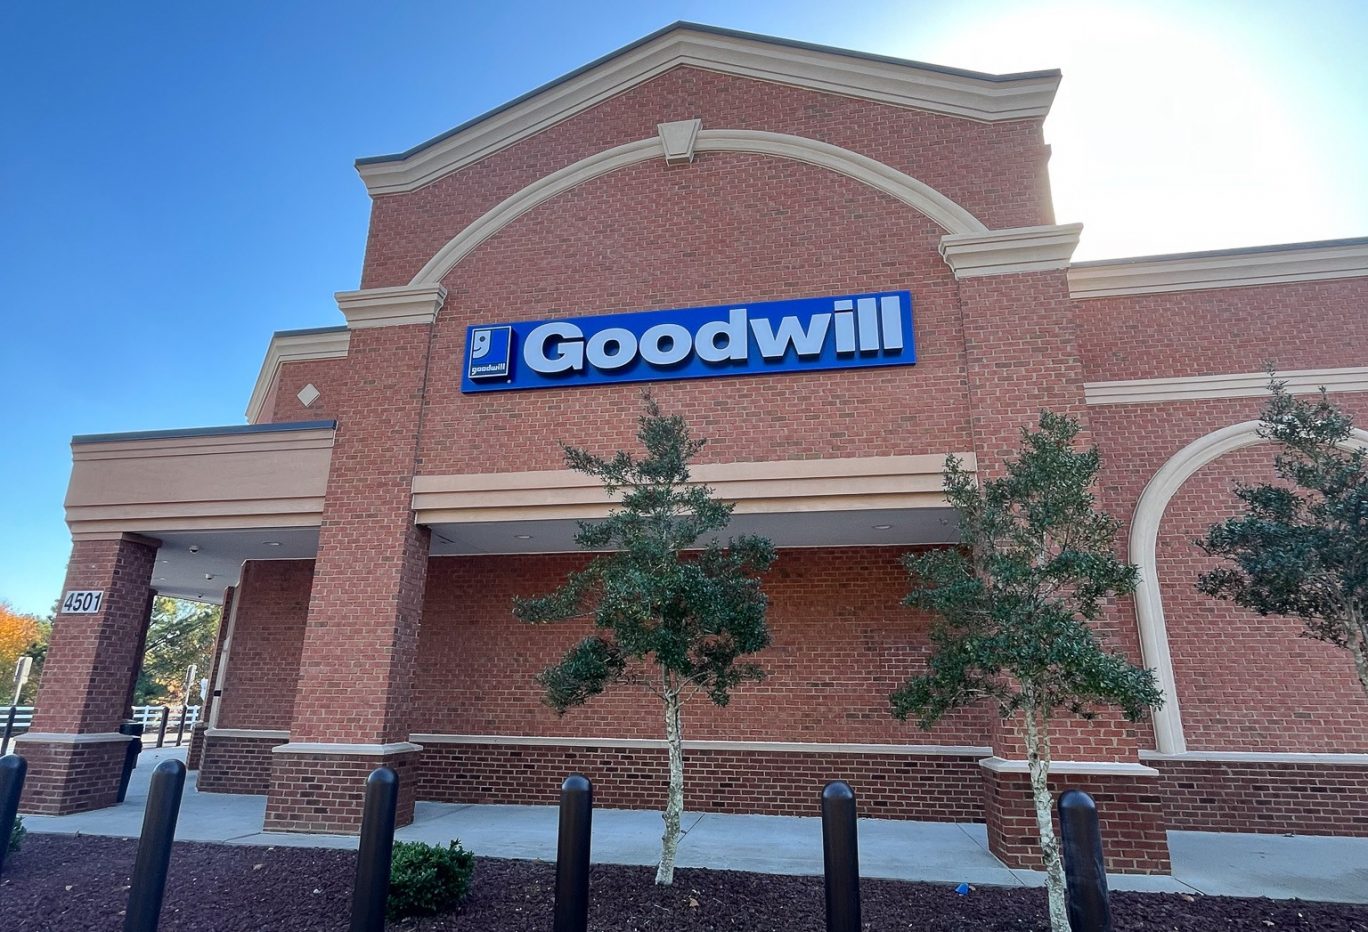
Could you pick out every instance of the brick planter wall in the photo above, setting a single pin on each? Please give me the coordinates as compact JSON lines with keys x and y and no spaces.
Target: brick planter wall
{"x":236,"y":764}
{"x":194,"y":752}
{"x":1129,"y":808}
{"x":927,"y":787}
{"x":324,"y":793}
{"x":65,"y":778}
{"x":1307,"y":799}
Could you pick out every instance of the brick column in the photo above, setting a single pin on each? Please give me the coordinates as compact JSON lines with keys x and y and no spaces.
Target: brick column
{"x":75,"y":753}
{"x":1022,"y":356}
{"x":351,"y":711}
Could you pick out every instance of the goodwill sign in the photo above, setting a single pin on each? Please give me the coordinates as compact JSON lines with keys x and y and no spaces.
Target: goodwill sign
{"x":808,"y":334}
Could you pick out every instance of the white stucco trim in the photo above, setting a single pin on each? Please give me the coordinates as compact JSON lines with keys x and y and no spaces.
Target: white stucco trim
{"x":391,"y":307}
{"x":53,"y":737}
{"x":917,"y":195}
{"x":983,"y":98}
{"x":225,"y":652}
{"x":1000,"y":252}
{"x":787,"y":747}
{"x":1144,"y":539}
{"x":1233,"y":268}
{"x":1231,"y":385}
{"x":1259,"y":757}
{"x":293,"y":347}
{"x":262,"y":733}
{"x":1072,"y":767}
{"x":348,"y":750}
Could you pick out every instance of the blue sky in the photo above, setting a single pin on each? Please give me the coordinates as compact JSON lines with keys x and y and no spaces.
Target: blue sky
{"x":176,"y":179}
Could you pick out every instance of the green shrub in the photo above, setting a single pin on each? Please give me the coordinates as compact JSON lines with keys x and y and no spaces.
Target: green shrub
{"x":17,"y":833}
{"x":428,"y":879}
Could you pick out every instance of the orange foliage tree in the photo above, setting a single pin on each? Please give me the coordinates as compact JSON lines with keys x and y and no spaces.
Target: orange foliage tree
{"x":18,"y":633}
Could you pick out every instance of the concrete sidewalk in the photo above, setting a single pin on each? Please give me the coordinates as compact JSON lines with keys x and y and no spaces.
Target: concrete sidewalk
{"x":1305,"y":867}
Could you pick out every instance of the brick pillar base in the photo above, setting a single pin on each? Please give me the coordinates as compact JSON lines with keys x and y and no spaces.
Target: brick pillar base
{"x":66,"y":776}
{"x":195,"y":753}
{"x":323,"y":791}
{"x":1130,"y":809}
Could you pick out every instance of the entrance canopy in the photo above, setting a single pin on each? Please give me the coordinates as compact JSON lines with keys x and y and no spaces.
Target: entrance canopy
{"x":216,"y":497}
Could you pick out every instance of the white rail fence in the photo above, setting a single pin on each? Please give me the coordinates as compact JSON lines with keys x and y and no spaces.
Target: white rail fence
{"x":149,"y":715}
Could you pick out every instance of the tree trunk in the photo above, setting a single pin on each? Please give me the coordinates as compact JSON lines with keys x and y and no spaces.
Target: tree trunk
{"x":1038,"y":760}
{"x":674,"y":804}
{"x":1356,"y":638}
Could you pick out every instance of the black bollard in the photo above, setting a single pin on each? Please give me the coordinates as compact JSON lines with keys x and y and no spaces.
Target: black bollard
{"x":9,"y":730}
{"x":371,"y":891}
{"x":841,"y":857}
{"x":1084,"y":871}
{"x":131,"y":753}
{"x":572,"y":855}
{"x":154,"y":848}
{"x":161,"y":729}
{"x":12,"y":771}
{"x":180,"y":731}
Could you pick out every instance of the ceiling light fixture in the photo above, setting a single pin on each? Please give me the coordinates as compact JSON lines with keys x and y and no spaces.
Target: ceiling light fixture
{"x":882,"y":527}
{"x":523,"y":536}
{"x":271,"y":543}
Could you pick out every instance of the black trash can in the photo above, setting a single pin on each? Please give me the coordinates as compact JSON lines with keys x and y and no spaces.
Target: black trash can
{"x":131,"y":756}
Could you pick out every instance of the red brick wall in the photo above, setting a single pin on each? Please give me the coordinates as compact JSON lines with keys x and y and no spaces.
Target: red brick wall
{"x":1303,"y":325}
{"x":1305,"y":799}
{"x":67,"y":778}
{"x":1244,"y":682}
{"x":729,"y":227}
{"x":356,"y":665}
{"x":927,"y":787}
{"x":996,"y":170}
{"x":268,"y":633}
{"x":1130,"y":811}
{"x":284,"y":405}
{"x":324,"y":793}
{"x":842,"y":643}
{"x":236,"y":765}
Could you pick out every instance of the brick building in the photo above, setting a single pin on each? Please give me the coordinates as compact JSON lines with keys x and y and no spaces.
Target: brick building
{"x":371,"y":524}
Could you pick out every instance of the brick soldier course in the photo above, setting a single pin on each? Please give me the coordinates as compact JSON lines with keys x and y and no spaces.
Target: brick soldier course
{"x":375,"y":521}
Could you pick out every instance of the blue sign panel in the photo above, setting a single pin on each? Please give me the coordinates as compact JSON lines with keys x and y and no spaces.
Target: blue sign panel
{"x":808,"y":334}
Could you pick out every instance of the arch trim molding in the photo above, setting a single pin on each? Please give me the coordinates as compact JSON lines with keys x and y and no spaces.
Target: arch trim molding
{"x":884,"y":178}
{"x":1144,"y":539}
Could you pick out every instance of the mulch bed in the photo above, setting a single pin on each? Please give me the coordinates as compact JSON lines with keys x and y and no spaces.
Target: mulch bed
{"x":80,"y":883}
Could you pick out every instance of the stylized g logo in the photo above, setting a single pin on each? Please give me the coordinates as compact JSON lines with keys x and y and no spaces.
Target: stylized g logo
{"x":480,"y":341}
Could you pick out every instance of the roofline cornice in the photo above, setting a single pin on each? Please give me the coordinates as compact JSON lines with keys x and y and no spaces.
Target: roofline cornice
{"x":968,"y":94}
{"x":1225,"y":268}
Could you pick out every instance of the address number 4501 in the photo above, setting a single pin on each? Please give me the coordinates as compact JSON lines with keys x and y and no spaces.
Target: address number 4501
{"x":82,"y":601}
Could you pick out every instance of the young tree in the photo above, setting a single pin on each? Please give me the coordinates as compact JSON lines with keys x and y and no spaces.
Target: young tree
{"x":179,"y":634}
{"x":1012,"y":607}
{"x":671,"y":623}
{"x":1301,"y":546}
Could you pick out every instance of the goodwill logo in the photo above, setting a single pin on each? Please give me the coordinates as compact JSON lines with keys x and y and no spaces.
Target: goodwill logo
{"x":807,"y":334}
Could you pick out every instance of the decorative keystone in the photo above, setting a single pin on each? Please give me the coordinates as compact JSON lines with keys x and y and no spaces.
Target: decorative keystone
{"x":678,"y":138}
